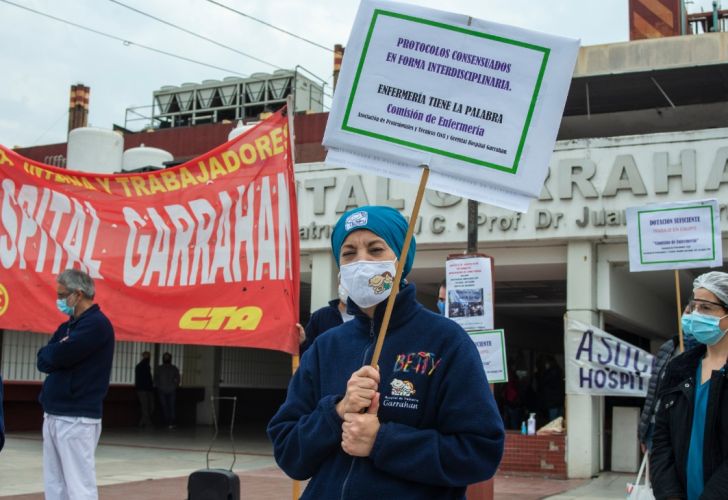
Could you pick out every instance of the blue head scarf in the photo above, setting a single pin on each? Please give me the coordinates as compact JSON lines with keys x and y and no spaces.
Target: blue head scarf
{"x":385,"y":222}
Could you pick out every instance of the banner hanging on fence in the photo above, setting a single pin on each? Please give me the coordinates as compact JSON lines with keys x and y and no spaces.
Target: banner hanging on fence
{"x":202,"y":253}
{"x":600,"y":364}
{"x":478,"y":102}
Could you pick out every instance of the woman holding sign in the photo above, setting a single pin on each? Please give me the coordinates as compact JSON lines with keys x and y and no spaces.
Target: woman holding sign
{"x":422,"y":425}
{"x":690,"y":443}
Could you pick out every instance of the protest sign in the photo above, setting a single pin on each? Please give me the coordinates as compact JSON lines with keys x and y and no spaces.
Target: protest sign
{"x":478,"y":102}
{"x":202,"y":253}
{"x":600,"y":364}
{"x":469,"y":283}
{"x":491,"y":345}
{"x":678,"y":235}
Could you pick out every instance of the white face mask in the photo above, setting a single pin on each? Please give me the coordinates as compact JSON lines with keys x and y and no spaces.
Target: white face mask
{"x":367,"y":282}
{"x":342,"y":294}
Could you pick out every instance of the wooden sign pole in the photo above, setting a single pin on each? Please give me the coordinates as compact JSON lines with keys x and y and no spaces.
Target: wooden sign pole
{"x":400,"y":266}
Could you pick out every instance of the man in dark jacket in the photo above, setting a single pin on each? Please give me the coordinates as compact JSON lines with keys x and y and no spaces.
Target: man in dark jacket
{"x":77,"y":360}
{"x":144,"y":386}
{"x":167,"y":380}
{"x":325,"y":318}
{"x":667,"y":351}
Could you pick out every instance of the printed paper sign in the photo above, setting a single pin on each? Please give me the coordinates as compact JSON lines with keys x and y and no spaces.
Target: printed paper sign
{"x":202,"y":253}
{"x":492,"y":348}
{"x":478,"y":102}
{"x":469,"y":283}
{"x":600,"y":364}
{"x":676,"y":235}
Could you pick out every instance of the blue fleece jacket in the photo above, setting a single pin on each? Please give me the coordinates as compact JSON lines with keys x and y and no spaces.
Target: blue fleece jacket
{"x":440,"y":428}
{"x":78,"y":363}
{"x":321,"y":320}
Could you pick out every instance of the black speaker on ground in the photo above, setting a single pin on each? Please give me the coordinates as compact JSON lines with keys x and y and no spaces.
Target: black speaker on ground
{"x":216,"y":484}
{"x":213,"y":484}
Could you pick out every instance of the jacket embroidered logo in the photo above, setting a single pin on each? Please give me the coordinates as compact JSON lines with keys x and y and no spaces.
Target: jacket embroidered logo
{"x":402,"y":387}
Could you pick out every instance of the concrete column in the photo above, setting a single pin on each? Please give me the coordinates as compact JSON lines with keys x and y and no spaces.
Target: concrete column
{"x":583,"y":413}
{"x":324,"y":279}
{"x":202,"y":369}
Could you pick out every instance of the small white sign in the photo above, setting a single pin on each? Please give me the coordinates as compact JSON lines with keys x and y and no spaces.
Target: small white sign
{"x":478,"y":102}
{"x":469,"y":287}
{"x":600,"y":364}
{"x":491,"y":345}
{"x":677,"y":235}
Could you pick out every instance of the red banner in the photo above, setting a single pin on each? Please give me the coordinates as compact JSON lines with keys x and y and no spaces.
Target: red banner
{"x":203,"y":253}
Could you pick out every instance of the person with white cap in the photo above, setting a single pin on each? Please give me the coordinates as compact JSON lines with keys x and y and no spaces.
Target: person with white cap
{"x":690,"y":443}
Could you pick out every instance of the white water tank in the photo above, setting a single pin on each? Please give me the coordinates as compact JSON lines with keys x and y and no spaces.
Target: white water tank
{"x":239,"y":129}
{"x":94,"y":150}
{"x":136,"y":158}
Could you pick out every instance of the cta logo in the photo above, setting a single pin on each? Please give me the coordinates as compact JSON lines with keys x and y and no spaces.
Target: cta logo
{"x":221,"y":318}
{"x":4,"y":299}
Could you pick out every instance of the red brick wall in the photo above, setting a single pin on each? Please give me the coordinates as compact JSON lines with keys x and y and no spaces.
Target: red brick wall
{"x":535,"y":455}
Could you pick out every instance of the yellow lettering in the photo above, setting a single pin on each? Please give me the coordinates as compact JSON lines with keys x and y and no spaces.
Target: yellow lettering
{"x":277,"y":140}
{"x":231,"y":160}
{"x":87,"y":184}
{"x":216,"y":169}
{"x":4,"y":158}
{"x":187,"y":177}
{"x":170,"y":180}
{"x":248,"y":154}
{"x":195,"y":318}
{"x":213,"y":318}
{"x":203,"y":168}
{"x":245,"y":318}
{"x":218,"y":315}
{"x":124,"y":181}
{"x":155,"y":185}
{"x":262,"y":143}
{"x":104,"y":183}
{"x":139,"y":186}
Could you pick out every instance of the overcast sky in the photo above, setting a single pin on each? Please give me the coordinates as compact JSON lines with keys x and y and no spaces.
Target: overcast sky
{"x":41,"y":58}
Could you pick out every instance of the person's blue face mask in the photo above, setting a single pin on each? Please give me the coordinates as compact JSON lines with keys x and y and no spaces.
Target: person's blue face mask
{"x":441,"y":306}
{"x":63,"y":306}
{"x":703,"y":328}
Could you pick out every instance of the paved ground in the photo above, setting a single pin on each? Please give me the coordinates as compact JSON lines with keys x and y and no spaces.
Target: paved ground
{"x":140,"y":465}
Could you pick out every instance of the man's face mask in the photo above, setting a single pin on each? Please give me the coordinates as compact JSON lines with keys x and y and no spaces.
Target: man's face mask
{"x":368,"y":283}
{"x":62,"y":305}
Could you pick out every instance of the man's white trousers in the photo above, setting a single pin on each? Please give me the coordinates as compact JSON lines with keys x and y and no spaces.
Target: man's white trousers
{"x":69,"y":468}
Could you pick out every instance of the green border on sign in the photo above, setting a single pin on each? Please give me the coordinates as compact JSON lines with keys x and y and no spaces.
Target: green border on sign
{"x":509,"y":169}
{"x":503,"y":351}
{"x":712,"y":231}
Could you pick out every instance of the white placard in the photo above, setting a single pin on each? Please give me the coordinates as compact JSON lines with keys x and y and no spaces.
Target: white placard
{"x":491,"y":345}
{"x":469,"y":284}
{"x":598,"y":363}
{"x":678,"y":235}
{"x":478,"y":102}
